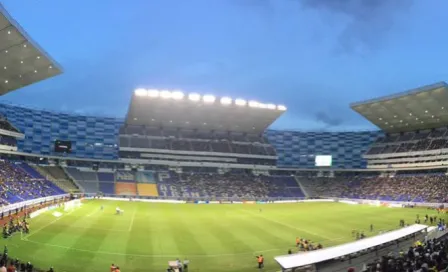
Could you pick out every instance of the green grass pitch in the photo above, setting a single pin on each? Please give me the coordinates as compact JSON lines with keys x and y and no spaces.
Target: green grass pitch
{"x":212,"y":237}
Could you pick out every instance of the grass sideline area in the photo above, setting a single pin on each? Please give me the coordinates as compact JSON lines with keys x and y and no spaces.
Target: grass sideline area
{"x":213,"y":237}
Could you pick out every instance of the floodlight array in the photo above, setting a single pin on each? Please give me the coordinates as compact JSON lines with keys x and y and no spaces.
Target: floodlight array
{"x":207,"y":98}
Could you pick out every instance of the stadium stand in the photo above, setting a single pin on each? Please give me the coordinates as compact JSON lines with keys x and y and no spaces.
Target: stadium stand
{"x":221,"y":150}
{"x":291,"y":147}
{"x":105,"y":177}
{"x":238,"y":184}
{"x":415,"y":130}
{"x":20,"y":182}
{"x":125,"y":188}
{"x":88,"y":182}
{"x":124,"y":176}
{"x":147,"y":189}
{"x":402,"y":187}
{"x":57,"y":175}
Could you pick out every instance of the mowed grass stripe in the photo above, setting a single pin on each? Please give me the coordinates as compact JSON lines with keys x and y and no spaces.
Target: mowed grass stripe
{"x":44,"y":232}
{"x":226,"y":237}
{"x":181,"y":229}
{"x":263,"y":237}
{"x":89,"y":238}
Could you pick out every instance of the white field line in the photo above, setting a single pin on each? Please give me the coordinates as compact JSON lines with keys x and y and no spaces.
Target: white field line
{"x":132,"y":220}
{"x":169,"y":256}
{"x":44,"y":226}
{"x":288,"y":225}
{"x":92,"y":213}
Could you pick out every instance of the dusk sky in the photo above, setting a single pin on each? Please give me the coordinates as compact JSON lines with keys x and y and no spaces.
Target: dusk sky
{"x":314,"y":56}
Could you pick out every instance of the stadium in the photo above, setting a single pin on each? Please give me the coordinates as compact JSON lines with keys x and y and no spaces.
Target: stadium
{"x":196,"y":182}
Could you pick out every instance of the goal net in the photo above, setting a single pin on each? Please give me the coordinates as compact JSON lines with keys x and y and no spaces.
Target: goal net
{"x":72,"y":204}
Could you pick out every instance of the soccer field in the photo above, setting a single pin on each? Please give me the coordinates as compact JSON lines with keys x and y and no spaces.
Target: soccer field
{"x":212,"y":237}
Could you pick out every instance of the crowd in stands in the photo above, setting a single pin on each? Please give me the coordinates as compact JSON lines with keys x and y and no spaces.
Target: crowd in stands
{"x":232,"y":184}
{"x":192,"y":140}
{"x":410,"y":141}
{"x":17,"y":185}
{"x":422,"y":257}
{"x":415,"y":188}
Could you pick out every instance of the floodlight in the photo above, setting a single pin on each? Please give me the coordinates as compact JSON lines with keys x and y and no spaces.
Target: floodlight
{"x":254,"y":104}
{"x":208,"y":98}
{"x":226,"y":100}
{"x":271,"y":106}
{"x":240,"y":102}
{"x":177,"y":95}
{"x":194,"y":97}
{"x":281,"y":107}
{"x":141,"y":92}
{"x":262,"y":106}
{"x":166,"y":94}
{"x":153,"y":93}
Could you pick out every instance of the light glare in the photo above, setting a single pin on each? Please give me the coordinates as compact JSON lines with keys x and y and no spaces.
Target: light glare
{"x":226,"y":100}
{"x":240,"y":102}
{"x":271,"y":106}
{"x":194,"y":97}
{"x":281,"y":107}
{"x":141,"y":92}
{"x":254,"y":104}
{"x":178,"y":95}
{"x":165,"y":94}
{"x":209,"y":98}
{"x":153,"y":93}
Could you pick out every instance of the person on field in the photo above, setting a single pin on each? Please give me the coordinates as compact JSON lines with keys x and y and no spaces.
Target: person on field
{"x":117,"y":269}
{"x":260,"y":261}
{"x":2,"y":267}
{"x":298,"y":241}
{"x":112,"y":268}
{"x":11,"y":267}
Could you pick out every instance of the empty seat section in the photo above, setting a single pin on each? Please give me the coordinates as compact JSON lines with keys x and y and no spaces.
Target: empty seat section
{"x":146,"y":177}
{"x":106,"y":177}
{"x":125,"y":188}
{"x":75,"y":173}
{"x":147,"y":189}
{"x":107,"y":187}
{"x":90,"y":176}
{"x":90,"y":187}
{"x":124,"y":176}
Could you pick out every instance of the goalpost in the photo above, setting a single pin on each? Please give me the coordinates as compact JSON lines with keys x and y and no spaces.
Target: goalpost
{"x":72,"y":204}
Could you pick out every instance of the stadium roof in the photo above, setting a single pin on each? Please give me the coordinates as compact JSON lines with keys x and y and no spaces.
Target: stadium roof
{"x":206,"y":112}
{"x":329,"y":253}
{"x":422,"y":108}
{"x":22,"y":61}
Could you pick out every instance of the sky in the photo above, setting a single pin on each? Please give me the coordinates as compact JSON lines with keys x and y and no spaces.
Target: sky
{"x":314,"y":56}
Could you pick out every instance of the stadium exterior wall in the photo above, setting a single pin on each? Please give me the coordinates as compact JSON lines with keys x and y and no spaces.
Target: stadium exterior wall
{"x":92,"y":137}
{"x":298,"y":149}
{"x":97,"y":138}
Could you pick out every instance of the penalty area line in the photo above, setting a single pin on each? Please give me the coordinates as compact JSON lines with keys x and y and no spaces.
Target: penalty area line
{"x":25,"y":238}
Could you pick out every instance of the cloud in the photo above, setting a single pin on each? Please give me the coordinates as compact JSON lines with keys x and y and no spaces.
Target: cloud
{"x":368,"y":22}
{"x":331,"y":121}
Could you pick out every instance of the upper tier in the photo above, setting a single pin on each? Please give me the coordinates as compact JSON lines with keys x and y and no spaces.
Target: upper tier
{"x":97,"y":137}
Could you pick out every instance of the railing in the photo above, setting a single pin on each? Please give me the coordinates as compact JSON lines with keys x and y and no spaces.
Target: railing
{"x":32,"y":202}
